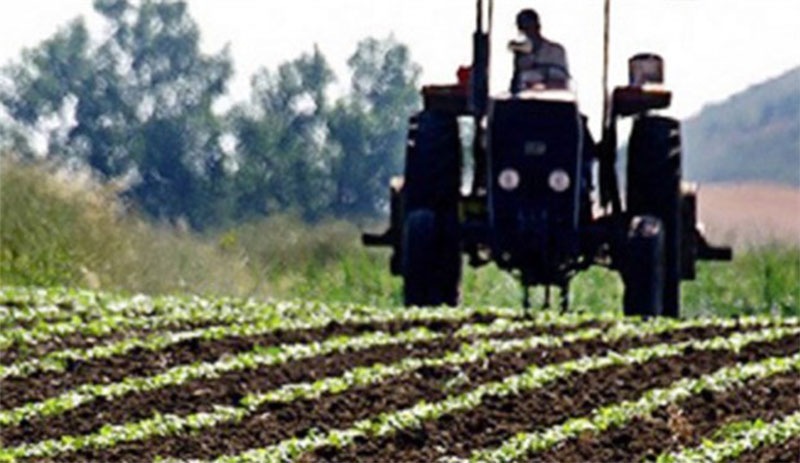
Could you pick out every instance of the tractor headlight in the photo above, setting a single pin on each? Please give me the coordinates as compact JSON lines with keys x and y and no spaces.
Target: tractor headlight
{"x":508,"y":179}
{"x":559,"y":181}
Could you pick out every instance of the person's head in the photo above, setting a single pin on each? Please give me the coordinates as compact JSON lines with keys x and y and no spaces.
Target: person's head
{"x":528,"y":22}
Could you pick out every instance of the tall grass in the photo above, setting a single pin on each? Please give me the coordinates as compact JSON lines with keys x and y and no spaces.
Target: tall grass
{"x":66,"y":230}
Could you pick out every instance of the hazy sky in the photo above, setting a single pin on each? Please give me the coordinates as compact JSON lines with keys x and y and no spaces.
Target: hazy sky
{"x":712,"y":48}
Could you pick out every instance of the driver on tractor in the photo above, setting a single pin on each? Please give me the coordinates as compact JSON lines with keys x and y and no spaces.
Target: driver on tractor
{"x":537,"y":61}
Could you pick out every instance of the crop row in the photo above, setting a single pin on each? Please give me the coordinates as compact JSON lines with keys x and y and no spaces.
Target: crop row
{"x":533,"y":377}
{"x":32,"y":305}
{"x":738,"y":438}
{"x":59,"y":361}
{"x":256,"y":324}
{"x":21,"y":305}
{"x":163,"y":425}
{"x":140,"y":313}
{"x":622,"y":413}
{"x":254,"y":358}
{"x":275,"y":315}
{"x":259,"y":323}
{"x":59,"y":313}
{"x":258,"y":357}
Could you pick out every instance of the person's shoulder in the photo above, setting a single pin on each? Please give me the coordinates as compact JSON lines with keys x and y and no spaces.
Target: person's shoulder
{"x":553,"y":45}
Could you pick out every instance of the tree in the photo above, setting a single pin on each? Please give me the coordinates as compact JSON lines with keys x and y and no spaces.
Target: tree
{"x":370,"y":126}
{"x":284,"y":155}
{"x":138,"y":104}
{"x":300,"y":153}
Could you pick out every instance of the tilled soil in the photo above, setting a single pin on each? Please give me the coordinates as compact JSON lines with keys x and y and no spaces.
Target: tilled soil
{"x":228,"y":389}
{"x":16,"y":353}
{"x":499,"y":418}
{"x":788,"y":452}
{"x":141,"y":362}
{"x":199,"y":395}
{"x":274,"y":422}
{"x":684,"y":424}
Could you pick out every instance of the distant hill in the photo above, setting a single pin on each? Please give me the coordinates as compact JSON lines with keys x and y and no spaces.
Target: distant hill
{"x":752,"y":136}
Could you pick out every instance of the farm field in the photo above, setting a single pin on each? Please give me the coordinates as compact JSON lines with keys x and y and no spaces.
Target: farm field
{"x":90,"y":376}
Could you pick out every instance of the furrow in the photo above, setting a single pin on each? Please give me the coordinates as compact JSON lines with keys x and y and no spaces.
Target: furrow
{"x":746,"y":437}
{"x":616,"y":415}
{"x":260,"y":356}
{"x":59,"y":372}
{"x":193,"y":314}
{"x":199,"y":395}
{"x":252,"y":404}
{"x":686,"y":423}
{"x":535,"y":377}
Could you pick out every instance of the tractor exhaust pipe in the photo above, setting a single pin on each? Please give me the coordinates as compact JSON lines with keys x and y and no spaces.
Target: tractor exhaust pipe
{"x":479,"y":91}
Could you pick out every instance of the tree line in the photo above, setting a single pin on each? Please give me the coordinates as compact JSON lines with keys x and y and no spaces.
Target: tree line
{"x":137,"y":107}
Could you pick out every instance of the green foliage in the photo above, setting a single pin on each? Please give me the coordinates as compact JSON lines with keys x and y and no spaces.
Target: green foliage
{"x":138,"y":104}
{"x":300,"y":153}
{"x":57,"y":231}
{"x":136,"y":108}
{"x":64,"y":229}
{"x":763,"y":280}
{"x":40,"y":231}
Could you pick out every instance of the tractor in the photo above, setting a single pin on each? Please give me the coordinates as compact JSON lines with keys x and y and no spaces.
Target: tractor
{"x":544,"y":201}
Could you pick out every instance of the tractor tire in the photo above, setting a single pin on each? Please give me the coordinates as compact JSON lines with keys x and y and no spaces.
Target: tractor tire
{"x":643,"y":273}
{"x":431,"y":244}
{"x":433,"y":163}
{"x":431,"y":259}
{"x":654,"y":189}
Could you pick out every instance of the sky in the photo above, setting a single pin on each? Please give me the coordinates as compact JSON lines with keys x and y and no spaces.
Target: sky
{"x":712,"y":48}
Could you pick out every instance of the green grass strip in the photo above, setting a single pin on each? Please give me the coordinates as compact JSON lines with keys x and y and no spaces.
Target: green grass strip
{"x":534,"y":377}
{"x":747,"y":436}
{"x":167,"y":425}
{"x":617,"y":415}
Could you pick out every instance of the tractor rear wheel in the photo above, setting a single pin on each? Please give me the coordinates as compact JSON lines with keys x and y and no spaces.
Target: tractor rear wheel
{"x":431,"y":259}
{"x":431,"y":245}
{"x":654,"y":189}
{"x":643,"y":273}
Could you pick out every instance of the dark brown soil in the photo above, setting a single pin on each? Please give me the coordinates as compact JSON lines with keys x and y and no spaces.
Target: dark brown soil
{"x":200,"y":395}
{"x":499,"y":418}
{"x":275,"y":422}
{"x":684,"y":424}
{"x":140,"y":362}
{"x":789,"y":452}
